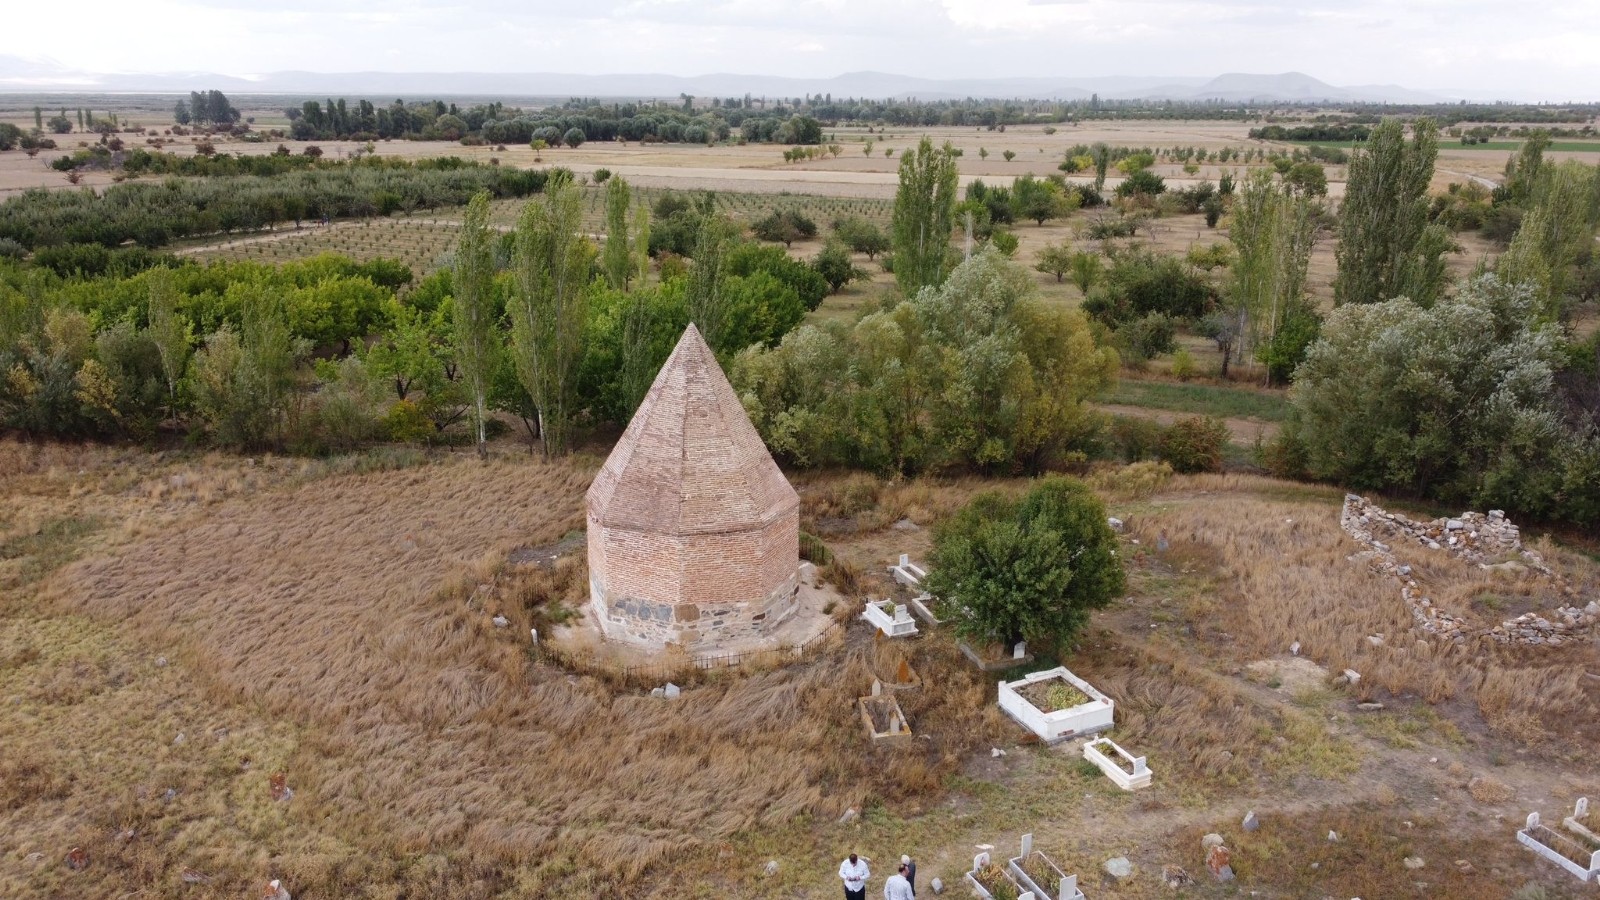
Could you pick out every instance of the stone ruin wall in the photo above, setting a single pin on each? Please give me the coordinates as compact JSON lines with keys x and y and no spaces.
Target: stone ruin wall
{"x":1489,"y":541}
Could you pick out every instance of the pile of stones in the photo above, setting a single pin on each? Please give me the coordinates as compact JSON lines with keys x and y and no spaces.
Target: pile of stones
{"x":1489,"y":541}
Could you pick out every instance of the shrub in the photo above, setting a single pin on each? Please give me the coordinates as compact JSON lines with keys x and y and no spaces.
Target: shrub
{"x":1031,"y":568}
{"x":1136,"y":438}
{"x":1005,"y":242}
{"x":1137,"y":480}
{"x":1194,"y":444}
{"x":1183,"y":366}
{"x":601,"y":175}
{"x":1148,"y":337}
{"x":784,"y":226}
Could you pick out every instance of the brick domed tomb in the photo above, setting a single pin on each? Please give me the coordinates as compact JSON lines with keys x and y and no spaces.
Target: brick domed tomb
{"x":693,"y":531}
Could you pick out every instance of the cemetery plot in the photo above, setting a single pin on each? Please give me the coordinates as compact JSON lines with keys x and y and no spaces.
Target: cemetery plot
{"x":883,"y":718}
{"x":1056,"y":704}
{"x":1128,"y":771}
{"x":1576,"y":849}
{"x":889,"y":617}
{"x":1034,"y":871}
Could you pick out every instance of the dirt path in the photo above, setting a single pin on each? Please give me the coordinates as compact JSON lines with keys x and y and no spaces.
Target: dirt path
{"x":1241,"y":430}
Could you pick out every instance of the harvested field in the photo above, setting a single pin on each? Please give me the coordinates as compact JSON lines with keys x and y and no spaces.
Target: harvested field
{"x":331,"y":621}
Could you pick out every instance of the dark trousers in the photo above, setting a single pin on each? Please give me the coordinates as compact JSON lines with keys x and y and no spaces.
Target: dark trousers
{"x":855,"y":895}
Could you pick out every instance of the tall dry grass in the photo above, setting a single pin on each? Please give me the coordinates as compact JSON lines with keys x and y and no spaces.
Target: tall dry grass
{"x":353,"y":611}
{"x":1284,"y":575}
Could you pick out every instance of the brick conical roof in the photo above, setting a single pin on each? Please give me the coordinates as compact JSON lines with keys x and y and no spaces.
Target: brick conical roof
{"x":690,"y":461}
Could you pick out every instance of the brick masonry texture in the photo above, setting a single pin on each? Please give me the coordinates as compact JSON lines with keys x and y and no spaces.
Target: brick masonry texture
{"x":693,"y":530}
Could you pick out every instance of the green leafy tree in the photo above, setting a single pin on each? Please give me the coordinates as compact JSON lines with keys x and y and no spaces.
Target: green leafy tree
{"x":548,"y":307}
{"x":1557,"y":231}
{"x":924,"y":216}
{"x":1055,"y":259}
{"x":1031,"y":568}
{"x":242,"y":381}
{"x":171,"y":331}
{"x":861,"y":236}
{"x":1086,"y":270}
{"x":1041,"y":201}
{"x":474,"y":312}
{"x":784,"y":226}
{"x":833,"y":262}
{"x":1273,"y":231}
{"x":617,"y":257}
{"x":1455,"y":401}
{"x":1385,"y":249}
{"x":574,"y":138}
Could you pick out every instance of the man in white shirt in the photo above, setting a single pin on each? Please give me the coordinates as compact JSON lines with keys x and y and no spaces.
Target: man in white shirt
{"x":897,"y":887}
{"x":853,"y":872}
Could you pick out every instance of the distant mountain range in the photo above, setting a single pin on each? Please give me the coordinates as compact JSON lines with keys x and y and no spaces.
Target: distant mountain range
{"x":19,"y":74}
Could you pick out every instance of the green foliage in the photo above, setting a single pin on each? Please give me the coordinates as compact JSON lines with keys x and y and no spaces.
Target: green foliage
{"x":834,"y":264}
{"x":1456,"y":402}
{"x":1194,"y":444}
{"x":1055,"y":259}
{"x":554,"y":263}
{"x":1041,"y":201}
{"x":1141,"y":283}
{"x":861,"y":236}
{"x":242,"y":380}
{"x":155,"y":214}
{"x":924,"y":206}
{"x":1148,"y":336}
{"x":476,"y":337}
{"x":809,"y":283}
{"x":1032,"y":568}
{"x":784,"y":226}
{"x":1141,"y":182}
{"x":1383,"y":252}
{"x":1005,"y":242}
{"x":974,"y":374}
{"x":1557,"y":231}
{"x":1273,"y":231}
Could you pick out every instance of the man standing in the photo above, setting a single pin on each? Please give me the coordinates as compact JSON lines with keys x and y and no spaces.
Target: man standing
{"x":898,"y":887}
{"x":910,"y":866}
{"x":853,"y":872}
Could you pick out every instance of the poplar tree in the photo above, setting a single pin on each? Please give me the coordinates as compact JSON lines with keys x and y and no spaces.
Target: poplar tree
{"x":1272,"y":231}
{"x":617,"y":257}
{"x":924,"y":217}
{"x":473,"y":310}
{"x":550,"y":306}
{"x":1386,"y":248}
{"x":1557,"y":229}
{"x":707,"y":301}
{"x":171,"y":333}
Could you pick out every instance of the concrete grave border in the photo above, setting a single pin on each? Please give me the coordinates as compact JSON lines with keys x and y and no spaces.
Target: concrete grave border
{"x":1091,"y":717}
{"x":899,"y":727}
{"x":1128,"y":781}
{"x":889,"y":617}
{"x":1544,"y":841}
{"x":1066,"y":885}
{"x":981,"y":860}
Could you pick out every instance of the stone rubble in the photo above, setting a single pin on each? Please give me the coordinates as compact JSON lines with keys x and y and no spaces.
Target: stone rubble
{"x":1489,"y":541}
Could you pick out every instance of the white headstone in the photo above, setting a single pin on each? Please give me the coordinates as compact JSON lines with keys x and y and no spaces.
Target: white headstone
{"x":1027,"y":844}
{"x":1533,"y":820}
{"x":1069,"y":886}
{"x":901,"y":614}
{"x":1138,"y":765}
{"x":980,"y":861}
{"x":905,"y":560}
{"x":877,"y":687}
{"x":535,"y":633}
{"x":1581,"y":810}
{"x":1019,"y":651}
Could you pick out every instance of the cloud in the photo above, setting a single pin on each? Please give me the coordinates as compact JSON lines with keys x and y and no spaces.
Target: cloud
{"x":1467,"y":44}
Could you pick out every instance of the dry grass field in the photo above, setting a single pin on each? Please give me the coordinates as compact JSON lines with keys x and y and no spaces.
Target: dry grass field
{"x":178,"y":628}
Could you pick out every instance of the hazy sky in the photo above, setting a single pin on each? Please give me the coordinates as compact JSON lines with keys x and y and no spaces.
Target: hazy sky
{"x":1551,"y":51}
